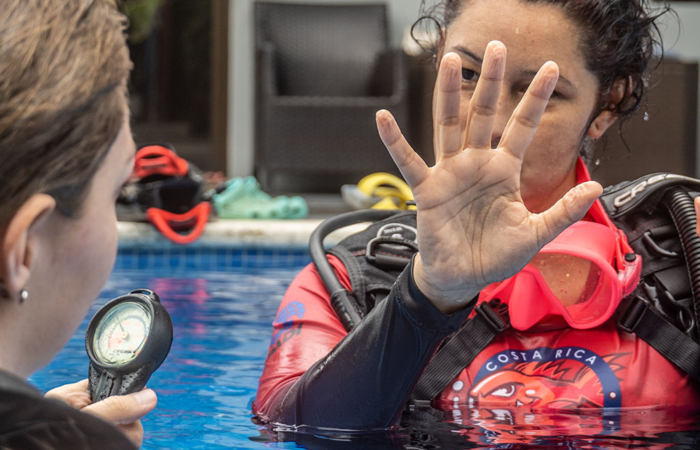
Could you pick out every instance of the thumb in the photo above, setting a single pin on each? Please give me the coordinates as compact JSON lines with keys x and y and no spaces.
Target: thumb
{"x":123,"y":409}
{"x":569,"y":209}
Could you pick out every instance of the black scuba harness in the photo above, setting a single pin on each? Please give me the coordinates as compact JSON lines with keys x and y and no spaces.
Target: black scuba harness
{"x":655,"y":211}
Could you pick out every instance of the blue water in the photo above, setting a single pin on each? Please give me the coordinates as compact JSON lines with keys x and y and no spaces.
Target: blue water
{"x":222,"y":304}
{"x":222,"y":324}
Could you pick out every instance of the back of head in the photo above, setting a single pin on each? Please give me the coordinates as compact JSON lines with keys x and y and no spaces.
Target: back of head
{"x":63,"y":71}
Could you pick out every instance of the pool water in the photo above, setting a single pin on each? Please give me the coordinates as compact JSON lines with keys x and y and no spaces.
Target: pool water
{"x":222,"y":305}
{"x":222,"y":324}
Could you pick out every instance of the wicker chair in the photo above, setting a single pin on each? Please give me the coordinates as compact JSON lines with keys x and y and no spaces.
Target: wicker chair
{"x":322,"y":73}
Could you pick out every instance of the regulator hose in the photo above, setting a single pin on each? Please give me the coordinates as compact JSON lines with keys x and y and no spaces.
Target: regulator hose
{"x":680,"y":205}
{"x":340,"y":297}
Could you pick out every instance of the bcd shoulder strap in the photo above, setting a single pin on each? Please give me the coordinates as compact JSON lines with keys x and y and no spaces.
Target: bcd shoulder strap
{"x":375,"y":257}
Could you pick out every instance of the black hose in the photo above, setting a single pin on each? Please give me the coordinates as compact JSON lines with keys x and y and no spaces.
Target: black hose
{"x":682,"y":210}
{"x":340,"y":297}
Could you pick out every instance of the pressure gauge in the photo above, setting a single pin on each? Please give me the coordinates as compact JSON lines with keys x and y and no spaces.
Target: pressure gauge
{"x":126,"y":341}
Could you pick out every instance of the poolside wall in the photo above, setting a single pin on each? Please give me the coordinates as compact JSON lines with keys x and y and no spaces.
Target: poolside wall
{"x":683,"y":43}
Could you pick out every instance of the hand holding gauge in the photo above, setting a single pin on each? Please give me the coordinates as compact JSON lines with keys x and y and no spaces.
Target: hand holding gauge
{"x":127,"y":340}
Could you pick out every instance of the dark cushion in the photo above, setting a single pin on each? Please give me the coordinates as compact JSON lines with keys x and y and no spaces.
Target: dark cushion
{"x":324,"y":50}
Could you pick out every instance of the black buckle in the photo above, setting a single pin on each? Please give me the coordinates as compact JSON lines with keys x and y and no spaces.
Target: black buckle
{"x":630,"y":318}
{"x":496,"y":314}
{"x":374,"y":243}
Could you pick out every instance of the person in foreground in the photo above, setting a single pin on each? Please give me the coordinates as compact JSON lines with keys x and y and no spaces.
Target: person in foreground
{"x":523,"y":88}
{"x":65,"y":151}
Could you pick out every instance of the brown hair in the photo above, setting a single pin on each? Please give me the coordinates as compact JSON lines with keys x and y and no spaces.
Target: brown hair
{"x":63,"y":71}
{"x":618,"y":44}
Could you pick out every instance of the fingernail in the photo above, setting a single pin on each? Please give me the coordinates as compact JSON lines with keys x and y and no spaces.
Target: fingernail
{"x":497,"y":60}
{"x":497,"y":48}
{"x":145,"y":397}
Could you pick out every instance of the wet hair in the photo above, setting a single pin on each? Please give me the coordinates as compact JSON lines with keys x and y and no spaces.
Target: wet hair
{"x":619,"y":38}
{"x":63,"y":72}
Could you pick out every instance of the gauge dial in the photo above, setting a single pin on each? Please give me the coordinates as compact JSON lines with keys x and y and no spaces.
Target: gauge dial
{"x":122,"y":333}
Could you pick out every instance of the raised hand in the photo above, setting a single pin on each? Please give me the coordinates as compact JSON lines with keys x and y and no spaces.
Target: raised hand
{"x":473,"y":227}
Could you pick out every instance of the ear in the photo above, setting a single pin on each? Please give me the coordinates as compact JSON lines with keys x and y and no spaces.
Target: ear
{"x":17,"y":251}
{"x":608,"y":115}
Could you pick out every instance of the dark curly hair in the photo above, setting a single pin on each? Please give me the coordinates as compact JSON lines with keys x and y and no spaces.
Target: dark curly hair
{"x":619,"y":39}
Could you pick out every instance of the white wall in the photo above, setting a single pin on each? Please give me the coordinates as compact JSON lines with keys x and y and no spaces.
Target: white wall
{"x":241,"y":125}
{"x":683,"y":42}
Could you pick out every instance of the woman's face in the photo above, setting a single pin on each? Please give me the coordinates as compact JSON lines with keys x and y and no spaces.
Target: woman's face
{"x":76,"y":256}
{"x":533,"y":34}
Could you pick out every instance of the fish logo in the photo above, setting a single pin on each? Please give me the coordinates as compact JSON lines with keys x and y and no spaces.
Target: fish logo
{"x":567,"y":377}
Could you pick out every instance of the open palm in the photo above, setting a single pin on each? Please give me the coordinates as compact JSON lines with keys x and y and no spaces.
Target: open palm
{"x":473,"y":227}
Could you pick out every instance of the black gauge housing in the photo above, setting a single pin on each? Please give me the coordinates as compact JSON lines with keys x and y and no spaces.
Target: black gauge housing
{"x":105,"y":379}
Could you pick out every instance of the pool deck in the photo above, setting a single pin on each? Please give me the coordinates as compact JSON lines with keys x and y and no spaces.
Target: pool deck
{"x":250,"y":234}
{"x":235,"y":233}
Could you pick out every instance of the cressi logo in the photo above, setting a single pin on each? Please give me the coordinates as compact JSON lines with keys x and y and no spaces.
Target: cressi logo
{"x":398,"y":231}
{"x":630,"y":194}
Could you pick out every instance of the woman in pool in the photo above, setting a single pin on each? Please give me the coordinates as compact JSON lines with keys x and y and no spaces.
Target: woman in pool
{"x":510,"y":128}
{"x":65,"y":151}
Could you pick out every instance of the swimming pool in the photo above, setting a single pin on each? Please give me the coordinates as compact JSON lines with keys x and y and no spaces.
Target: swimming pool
{"x":223,"y":301}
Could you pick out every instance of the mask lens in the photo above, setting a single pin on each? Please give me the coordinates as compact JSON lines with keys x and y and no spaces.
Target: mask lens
{"x":571,"y":279}
{"x":578,"y":284}
{"x":598,"y":303}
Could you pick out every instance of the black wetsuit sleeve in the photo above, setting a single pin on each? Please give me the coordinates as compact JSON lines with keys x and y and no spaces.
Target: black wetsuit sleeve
{"x":29,"y":422}
{"x":366,"y":380}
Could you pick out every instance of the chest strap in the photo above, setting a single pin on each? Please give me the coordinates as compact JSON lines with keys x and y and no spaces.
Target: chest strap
{"x":492,"y":319}
{"x":460,"y":350}
{"x":643,"y":320}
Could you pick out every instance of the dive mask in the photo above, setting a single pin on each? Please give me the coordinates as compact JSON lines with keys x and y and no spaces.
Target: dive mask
{"x":582,"y":275}
{"x":167,"y":191}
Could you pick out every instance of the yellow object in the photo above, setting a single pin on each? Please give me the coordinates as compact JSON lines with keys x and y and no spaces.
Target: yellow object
{"x":393,"y":191}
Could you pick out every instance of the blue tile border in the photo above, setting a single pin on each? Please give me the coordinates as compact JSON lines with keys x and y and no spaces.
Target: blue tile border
{"x":182,"y":259}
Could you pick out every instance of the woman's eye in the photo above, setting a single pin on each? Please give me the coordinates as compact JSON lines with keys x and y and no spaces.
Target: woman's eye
{"x":469,"y":75}
{"x":555,"y":95}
